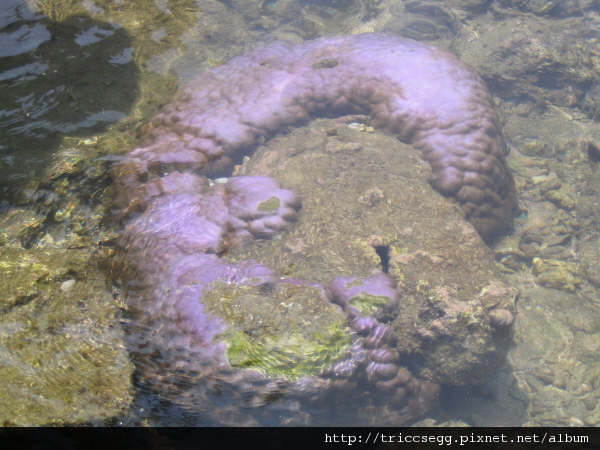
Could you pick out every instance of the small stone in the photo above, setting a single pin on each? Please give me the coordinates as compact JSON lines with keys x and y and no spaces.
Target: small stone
{"x":361,"y":127}
{"x":575,"y":422}
{"x":46,"y":241}
{"x":67,"y":285}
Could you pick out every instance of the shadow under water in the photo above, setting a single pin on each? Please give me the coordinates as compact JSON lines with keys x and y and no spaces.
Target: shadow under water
{"x":74,"y":77}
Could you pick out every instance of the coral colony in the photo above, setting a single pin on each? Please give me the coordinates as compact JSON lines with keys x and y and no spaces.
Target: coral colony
{"x":177,"y":223}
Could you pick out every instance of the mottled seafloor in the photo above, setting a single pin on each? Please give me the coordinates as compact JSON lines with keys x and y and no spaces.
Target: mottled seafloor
{"x":63,"y":127}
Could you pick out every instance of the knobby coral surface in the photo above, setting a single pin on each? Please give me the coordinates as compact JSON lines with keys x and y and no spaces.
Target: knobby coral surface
{"x":178,"y":225}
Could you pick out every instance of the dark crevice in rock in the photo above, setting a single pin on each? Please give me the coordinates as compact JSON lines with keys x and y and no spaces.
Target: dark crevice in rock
{"x":383,"y":251}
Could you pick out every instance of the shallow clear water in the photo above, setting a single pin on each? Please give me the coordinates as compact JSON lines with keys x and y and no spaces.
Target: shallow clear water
{"x":74,"y":77}
{"x":79,"y":78}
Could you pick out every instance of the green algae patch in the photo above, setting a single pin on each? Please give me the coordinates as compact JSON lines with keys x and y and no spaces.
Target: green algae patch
{"x":290,"y":355}
{"x":269,"y":205}
{"x":369,"y":304}
{"x":286,"y":331}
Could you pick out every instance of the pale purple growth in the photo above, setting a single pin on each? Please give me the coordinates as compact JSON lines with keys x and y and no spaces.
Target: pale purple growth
{"x":344,"y":369}
{"x":381,"y":371}
{"x":343,"y":289}
{"x":383,"y":355}
{"x":201,"y":270}
{"x":251,"y":273}
{"x":198,"y":221}
{"x":198,"y":324}
{"x":378,"y":336}
{"x":417,"y":92}
{"x":177,"y":183}
{"x":261,"y":203}
{"x":363,"y":324}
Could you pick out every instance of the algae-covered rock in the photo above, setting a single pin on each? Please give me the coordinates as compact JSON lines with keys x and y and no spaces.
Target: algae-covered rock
{"x":530,"y":60}
{"x":561,"y":198}
{"x":20,"y":226}
{"x":553,"y":190}
{"x":552,"y":8}
{"x":556,"y":361}
{"x":556,"y":274}
{"x":372,"y":210}
{"x":62,"y":358}
{"x":289,"y":331}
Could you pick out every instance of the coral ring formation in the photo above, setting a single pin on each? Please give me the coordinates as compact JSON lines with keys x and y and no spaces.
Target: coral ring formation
{"x":177,"y":224}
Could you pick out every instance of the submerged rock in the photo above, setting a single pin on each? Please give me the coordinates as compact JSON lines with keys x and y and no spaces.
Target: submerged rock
{"x":62,"y":356}
{"x":236,"y":318}
{"x":444,"y":301}
{"x":421,"y":302}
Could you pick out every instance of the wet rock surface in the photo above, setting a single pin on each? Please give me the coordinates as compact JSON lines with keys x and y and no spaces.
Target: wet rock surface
{"x":63,"y":359}
{"x":370,"y":209}
{"x":61,"y":350}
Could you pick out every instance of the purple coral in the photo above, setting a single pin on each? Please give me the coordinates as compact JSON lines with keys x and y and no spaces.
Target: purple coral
{"x":178,"y":225}
{"x":417,"y":92}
